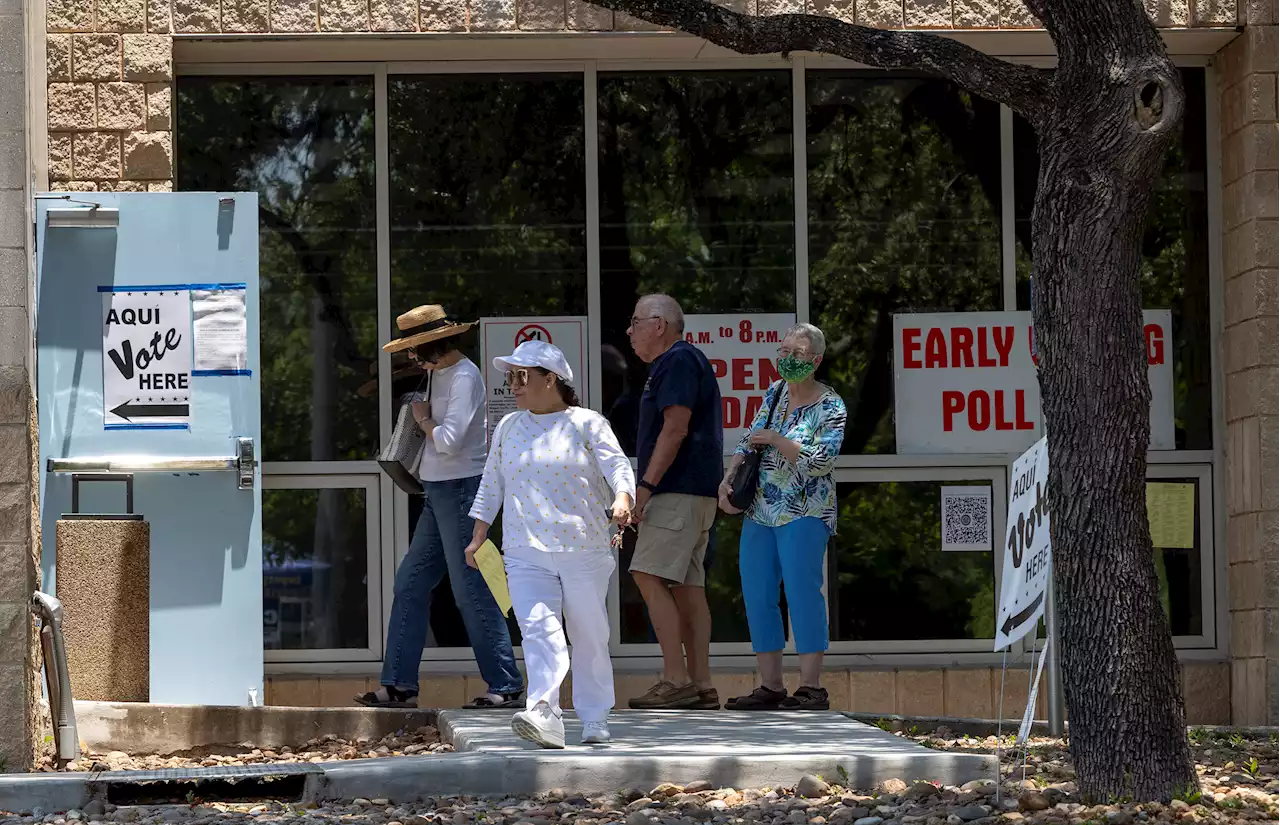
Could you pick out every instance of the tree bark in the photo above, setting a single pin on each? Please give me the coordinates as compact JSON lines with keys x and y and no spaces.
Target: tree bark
{"x":1104,"y":118}
{"x":1116,"y":104}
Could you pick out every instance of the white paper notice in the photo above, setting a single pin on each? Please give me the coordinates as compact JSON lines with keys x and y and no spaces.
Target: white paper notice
{"x":221,"y":331}
{"x":146,"y":358}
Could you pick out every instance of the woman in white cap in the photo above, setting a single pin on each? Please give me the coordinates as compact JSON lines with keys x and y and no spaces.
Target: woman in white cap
{"x":558,"y":474}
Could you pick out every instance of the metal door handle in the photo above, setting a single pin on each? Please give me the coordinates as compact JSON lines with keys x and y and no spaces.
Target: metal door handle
{"x":244,"y":462}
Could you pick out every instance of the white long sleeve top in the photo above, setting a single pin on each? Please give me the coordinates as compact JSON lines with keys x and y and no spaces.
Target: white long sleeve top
{"x":456,"y":447}
{"x":548,"y":474}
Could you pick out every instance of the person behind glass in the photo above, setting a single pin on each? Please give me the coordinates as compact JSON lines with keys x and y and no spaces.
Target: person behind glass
{"x":556,"y":471}
{"x":787,"y":526}
{"x":680,"y":454}
{"x":453,"y":457}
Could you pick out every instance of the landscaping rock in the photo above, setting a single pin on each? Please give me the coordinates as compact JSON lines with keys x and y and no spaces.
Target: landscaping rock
{"x":970,"y":813}
{"x":1034,"y":801}
{"x":812,"y":787}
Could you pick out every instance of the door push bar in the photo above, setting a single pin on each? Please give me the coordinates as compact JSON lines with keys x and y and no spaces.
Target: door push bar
{"x":242,"y":463}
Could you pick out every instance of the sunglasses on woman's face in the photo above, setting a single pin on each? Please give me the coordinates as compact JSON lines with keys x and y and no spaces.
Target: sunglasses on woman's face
{"x":517,"y":378}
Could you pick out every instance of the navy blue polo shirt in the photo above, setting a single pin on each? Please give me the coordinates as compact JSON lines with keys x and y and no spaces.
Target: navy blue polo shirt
{"x":682,"y":377}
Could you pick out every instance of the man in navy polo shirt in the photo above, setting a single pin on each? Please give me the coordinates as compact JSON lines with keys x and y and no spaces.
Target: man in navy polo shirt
{"x":680,"y":452}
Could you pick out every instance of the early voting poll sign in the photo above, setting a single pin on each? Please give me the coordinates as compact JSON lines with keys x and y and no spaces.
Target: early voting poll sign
{"x":155,"y":338}
{"x":965,"y":382}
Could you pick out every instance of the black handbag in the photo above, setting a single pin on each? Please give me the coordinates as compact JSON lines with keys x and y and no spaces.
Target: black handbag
{"x":742,"y":487}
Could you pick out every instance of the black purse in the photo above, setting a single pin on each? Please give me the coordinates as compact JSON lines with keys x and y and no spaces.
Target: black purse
{"x":742,"y":487}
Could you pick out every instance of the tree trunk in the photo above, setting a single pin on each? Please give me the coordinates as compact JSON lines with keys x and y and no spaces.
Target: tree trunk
{"x":1098,"y":168}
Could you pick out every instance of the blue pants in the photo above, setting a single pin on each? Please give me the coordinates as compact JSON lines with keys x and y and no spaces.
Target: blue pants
{"x":443,"y":531}
{"x":791,"y":555}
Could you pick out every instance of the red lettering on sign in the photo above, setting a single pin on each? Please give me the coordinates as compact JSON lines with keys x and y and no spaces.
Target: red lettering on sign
{"x":961,"y":347}
{"x":935,"y":350}
{"x":979,"y":410}
{"x":731,"y":411}
{"x":768,"y":373}
{"x":754,"y":403}
{"x":952,"y":403}
{"x":1020,"y":410}
{"x":1004,"y":343}
{"x":719,"y":367}
{"x":910,"y":346}
{"x":1001,"y":423}
{"x":1155,"y":344}
{"x":741,"y":374}
{"x":984,"y":357}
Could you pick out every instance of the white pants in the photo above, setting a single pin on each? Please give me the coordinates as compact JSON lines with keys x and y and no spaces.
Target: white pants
{"x":545,"y":586}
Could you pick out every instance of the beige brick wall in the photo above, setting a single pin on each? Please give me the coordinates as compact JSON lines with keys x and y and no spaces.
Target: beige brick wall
{"x":1247,"y":98}
{"x":972,"y":693}
{"x":110,"y":66}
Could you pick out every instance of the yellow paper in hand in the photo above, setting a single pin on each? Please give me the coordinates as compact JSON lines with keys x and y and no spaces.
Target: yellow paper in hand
{"x":489,"y":560}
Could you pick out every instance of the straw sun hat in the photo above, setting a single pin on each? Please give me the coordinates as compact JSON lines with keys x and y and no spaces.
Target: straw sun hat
{"x":424,"y":324}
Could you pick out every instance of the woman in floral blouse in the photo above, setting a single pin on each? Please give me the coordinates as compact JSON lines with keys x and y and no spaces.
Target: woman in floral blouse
{"x":785,"y":533}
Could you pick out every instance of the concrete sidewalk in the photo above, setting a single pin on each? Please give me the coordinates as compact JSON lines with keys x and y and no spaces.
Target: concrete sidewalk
{"x":740,"y":750}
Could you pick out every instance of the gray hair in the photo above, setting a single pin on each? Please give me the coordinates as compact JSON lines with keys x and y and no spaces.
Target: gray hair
{"x":817,"y":341}
{"x":667,"y":308}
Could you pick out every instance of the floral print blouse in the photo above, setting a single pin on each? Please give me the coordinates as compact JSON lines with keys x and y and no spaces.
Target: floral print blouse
{"x":787,"y":491}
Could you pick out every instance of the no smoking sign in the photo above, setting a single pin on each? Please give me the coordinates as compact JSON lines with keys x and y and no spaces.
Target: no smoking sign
{"x":533,"y":332}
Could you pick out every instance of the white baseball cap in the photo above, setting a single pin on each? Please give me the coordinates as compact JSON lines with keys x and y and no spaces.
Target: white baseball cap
{"x":537,"y":354}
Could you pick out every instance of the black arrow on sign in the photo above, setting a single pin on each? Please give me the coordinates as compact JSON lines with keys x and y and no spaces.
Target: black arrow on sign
{"x":128,"y":409}
{"x":1014,"y":621}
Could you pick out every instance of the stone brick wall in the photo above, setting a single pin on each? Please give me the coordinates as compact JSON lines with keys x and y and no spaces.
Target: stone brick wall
{"x":1247,"y":96}
{"x":110,"y":66}
{"x":19,"y":729}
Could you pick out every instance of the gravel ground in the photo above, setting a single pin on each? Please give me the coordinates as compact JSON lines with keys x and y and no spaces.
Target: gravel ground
{"x":1238,"y":778}
{"x":330,"y":748}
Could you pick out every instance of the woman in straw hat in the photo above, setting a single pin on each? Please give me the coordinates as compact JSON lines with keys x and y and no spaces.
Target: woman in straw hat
{"x":453,"y":458}
{"x":558,"y":475}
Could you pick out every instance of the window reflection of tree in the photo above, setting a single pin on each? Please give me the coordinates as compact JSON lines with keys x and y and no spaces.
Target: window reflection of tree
{"x":306,"y":147}
{"x":904,"y":195}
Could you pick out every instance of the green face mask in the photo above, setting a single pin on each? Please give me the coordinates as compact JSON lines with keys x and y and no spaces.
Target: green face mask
{"x":793,"y":370}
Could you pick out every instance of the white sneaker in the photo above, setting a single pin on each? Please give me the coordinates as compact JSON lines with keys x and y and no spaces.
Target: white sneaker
{"x":595,"y":733}
{"x":542,"y":726}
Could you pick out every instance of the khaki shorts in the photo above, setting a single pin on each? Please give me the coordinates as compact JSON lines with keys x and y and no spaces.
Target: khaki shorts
{"x":672,"y":540}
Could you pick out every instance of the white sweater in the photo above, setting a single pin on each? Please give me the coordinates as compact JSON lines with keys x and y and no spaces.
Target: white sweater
{"x":548,"y":474}
{"x":456,"y":446}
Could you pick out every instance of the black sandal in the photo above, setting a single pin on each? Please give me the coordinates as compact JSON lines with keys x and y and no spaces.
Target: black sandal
{"x":396,"y":698}
{"x":807,"y":698}
{"x":762,"y":698}
{"x":509,"y":700}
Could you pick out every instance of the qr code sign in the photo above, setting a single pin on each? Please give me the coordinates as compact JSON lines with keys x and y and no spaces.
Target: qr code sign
{"x":966,"y":519}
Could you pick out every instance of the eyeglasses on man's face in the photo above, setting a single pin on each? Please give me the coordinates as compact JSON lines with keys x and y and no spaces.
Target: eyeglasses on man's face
{"x":802,"y":354}
{"x":636,"y":320}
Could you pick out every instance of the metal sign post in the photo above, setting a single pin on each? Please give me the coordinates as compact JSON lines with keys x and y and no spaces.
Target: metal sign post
{"x":1053,"y":690}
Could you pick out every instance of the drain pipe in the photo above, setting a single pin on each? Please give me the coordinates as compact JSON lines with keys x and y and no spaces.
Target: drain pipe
{"x":56,"y":676}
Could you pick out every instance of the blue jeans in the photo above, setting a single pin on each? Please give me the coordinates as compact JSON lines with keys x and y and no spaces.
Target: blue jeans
{"x":443,"y":532}
{"x":790,"y":555}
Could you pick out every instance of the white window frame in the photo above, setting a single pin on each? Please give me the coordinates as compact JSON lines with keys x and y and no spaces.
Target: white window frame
{"x":287,"y":477}
{"x":392,"y":510}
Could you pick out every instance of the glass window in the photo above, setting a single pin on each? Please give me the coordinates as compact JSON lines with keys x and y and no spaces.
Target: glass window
{"x":1175,"y":256}
{"x":315,"y":560}
{"x":305,"y":145}
{"x":696,"y":201}
{"x":488,"y":217}
{"x":904,"y":215}
{"x":1178,"y":567}
{"x":888,"y":578}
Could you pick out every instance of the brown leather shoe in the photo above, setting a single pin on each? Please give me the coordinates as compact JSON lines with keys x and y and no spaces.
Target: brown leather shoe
{"x":707,"y":700}
{"x":667,"y":696}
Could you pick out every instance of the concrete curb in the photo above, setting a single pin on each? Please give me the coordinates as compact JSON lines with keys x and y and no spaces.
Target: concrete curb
{"x":169,"y":729}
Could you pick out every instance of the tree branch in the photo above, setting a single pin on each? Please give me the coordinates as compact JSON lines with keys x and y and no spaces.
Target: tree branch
{"x":1022,"y":88}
